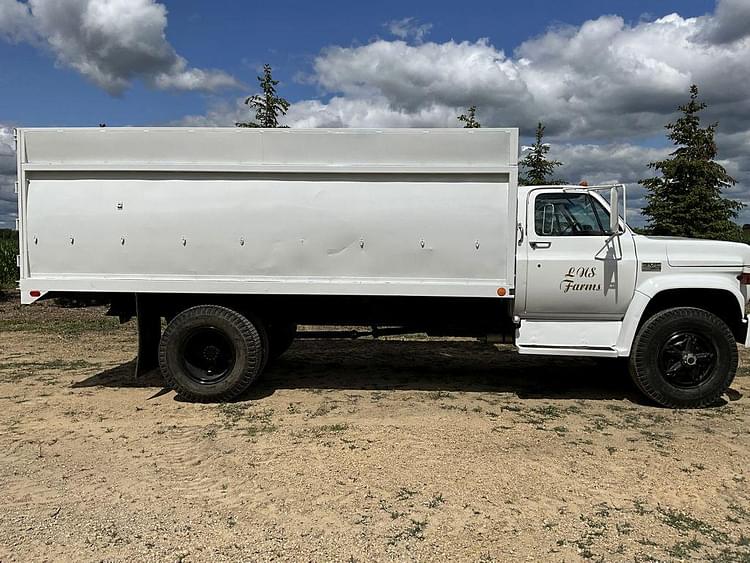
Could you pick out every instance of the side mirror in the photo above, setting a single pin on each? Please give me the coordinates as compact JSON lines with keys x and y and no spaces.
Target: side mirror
{"x":614,"y":216}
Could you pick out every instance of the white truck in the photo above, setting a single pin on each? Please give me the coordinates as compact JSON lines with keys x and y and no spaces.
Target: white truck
{"x":236,"y":236}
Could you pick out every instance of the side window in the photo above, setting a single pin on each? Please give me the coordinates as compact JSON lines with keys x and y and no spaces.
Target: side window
{"x":572,"y":214}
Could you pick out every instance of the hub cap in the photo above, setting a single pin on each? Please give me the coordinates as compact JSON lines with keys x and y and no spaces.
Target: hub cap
{"x":208,"y":355}
{"x":687,"y":359}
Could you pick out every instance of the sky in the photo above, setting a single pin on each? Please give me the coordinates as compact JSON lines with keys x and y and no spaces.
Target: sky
{"x":603,"y":76}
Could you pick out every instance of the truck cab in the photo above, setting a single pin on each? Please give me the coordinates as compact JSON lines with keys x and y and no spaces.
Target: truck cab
{"x":593,"y":287}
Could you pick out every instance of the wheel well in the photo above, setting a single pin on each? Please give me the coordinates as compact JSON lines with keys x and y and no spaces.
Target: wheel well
{"x":720,"y":302}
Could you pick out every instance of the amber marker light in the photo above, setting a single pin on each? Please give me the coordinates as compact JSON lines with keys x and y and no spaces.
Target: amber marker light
{"x":501,"y":291}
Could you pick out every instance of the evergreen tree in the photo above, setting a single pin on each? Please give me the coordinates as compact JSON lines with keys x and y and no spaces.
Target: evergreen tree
{"x":470,"y":118}
{"x":539,"y":169}
{"x":686,"y":199}
{"x":268,"y":106}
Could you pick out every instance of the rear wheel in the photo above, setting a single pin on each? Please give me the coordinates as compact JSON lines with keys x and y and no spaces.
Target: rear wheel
{"x":212,"y":353}
{"x":684,"y":358}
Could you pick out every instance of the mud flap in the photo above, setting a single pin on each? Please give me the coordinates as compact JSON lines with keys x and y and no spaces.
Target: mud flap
{"x":149,"y":333}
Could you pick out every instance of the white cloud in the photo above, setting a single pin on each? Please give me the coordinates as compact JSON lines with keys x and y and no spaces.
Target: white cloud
{"x":110,"y":42}
{"x":605,"y":79}
{"x":731,"y":22}
{"x":407,"y":28}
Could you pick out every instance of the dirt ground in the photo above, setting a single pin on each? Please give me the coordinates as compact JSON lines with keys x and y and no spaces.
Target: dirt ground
{"x":356,"y":451}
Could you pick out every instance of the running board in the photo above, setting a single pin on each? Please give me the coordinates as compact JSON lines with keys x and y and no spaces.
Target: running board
{"x":596,"y":339}
{"x":558,"y":351}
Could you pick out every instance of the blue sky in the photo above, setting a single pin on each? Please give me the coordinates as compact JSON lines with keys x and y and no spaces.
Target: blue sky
{"x":604,"y":76}
{"x":237,"y":38}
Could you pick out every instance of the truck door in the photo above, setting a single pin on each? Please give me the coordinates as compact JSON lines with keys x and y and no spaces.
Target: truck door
{"x":575,"y":269}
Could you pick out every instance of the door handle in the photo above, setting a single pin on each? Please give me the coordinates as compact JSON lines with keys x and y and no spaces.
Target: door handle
{"x":540,"y":244}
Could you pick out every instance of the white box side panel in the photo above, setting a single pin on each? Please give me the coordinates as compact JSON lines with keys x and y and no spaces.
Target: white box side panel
{"x":451,"y":235}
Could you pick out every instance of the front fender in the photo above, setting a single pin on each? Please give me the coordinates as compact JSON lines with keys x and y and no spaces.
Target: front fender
{"x":651,"y":287}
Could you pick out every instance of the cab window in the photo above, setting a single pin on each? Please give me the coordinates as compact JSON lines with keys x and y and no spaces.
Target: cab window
{"x":573,"y":214}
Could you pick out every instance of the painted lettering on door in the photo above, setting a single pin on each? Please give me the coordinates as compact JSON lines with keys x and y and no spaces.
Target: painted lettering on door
{"x":580,"y":278}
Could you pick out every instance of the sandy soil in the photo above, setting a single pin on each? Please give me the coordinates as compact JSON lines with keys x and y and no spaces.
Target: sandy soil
{"x":357,"y":451}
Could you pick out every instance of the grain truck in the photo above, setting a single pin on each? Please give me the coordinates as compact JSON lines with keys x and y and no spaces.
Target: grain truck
{"x":236,"y":236}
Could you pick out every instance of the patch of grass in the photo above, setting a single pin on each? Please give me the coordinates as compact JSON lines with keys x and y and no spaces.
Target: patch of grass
{"x":415,"y":530}
{"x":339,"y":427}
{"x":683,"y":549}
{"x":259,"y":420}
{"x":437,"y":395}
{"x":257,"y":429}
{"x":232,"y":412}
{"x":739,"y":511}
{"x":624,"y":528}
{"x":66,"y":327}
{"x":447,"y":407}
{"x":545,"y":413}
{"x":686,"y":523}
{"x":324,"y":408}
{"x":657,"y":438}
{"x":320,"y":431}
{"x":405,"y":494}
{"x":22,"y":370}
{"x":435,"y":501}
{"x":52,"y":364}
{"x":394,"y":514}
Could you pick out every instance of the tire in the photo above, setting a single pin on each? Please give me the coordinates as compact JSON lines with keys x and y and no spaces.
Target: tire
{"x":212,"y":353}
{"x":684,"y":358}
{"x":280,"y":338}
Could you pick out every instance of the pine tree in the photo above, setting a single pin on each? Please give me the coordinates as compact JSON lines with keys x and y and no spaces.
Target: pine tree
{"x":686,"y":199}
{"x":470,"y":118}
{"x":268,"y":106}
{"x":539,"y":170}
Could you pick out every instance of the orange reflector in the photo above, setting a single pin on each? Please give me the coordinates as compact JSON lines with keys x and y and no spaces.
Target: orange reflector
{"x":744,"y":279}
{"x":35,"y":293}
{"x":501,"y":291}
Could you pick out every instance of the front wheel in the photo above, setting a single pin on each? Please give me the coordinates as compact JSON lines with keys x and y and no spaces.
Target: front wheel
{"x":684,"y":358}
{"x":212,"y":353}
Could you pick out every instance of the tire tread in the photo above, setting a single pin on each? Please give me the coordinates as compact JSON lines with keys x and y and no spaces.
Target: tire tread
{"x":639,"y":368}
{"x":252,"y":337}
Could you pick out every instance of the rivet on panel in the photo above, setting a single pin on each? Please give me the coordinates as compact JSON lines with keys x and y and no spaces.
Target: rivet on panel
{"x":36,"y":240}
{"x":421,"y":243}
{"x":184,"y":242}
{"x":122,"y":241}
{"x":242,"y":241}
{"x":476,"y":244}
{"x":72,"y":240}
{"x":119,"y":205}
{"x":361,"y":243}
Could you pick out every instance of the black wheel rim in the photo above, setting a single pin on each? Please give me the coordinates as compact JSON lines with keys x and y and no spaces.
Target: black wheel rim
{"x":208,"y":355}
{"x":687,"y":359}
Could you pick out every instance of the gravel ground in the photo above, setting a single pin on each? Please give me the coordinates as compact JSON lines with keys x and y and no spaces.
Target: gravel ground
{"x":364,"y":450}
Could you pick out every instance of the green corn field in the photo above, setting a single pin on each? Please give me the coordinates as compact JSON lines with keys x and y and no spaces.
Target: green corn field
{"x":8,"y":252}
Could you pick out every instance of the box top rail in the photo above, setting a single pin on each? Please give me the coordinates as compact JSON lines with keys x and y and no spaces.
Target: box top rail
{"x":238,"y":149}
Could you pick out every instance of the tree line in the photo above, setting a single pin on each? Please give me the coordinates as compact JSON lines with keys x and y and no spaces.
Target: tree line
{"x":685,"y":198}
